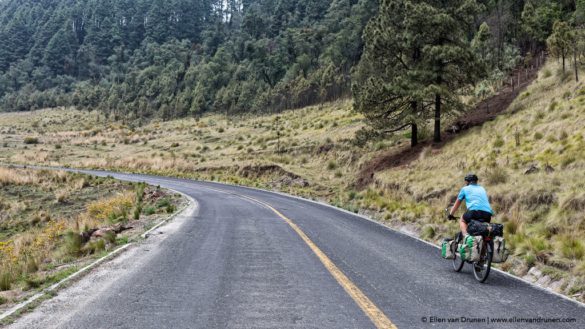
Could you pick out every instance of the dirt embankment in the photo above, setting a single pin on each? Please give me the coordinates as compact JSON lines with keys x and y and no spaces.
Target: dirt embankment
{"x":484,"y":111}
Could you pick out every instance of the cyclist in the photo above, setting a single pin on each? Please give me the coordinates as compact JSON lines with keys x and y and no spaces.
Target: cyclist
{"x":477,"y":202}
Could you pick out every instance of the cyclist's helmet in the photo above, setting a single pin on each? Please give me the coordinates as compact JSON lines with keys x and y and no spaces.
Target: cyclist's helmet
{"x":471,"y":178}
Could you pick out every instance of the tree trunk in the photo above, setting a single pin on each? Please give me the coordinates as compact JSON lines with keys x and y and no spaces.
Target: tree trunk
{"x":437,"y":135}
{"x":563,"y":62}
{"x":414,"y":127}
{"x":575,"y":64}
{"x":414,"y":135}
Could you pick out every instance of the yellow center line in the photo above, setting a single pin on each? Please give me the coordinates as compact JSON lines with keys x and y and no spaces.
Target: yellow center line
{"x":376,"y":315}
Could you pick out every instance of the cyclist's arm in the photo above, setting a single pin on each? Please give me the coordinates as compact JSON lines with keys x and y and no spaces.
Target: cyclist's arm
{"x":457,"y":204}
{"x":455,"y":207}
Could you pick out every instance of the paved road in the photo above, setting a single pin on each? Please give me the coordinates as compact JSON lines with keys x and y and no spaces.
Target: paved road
{"x":239,"y":264}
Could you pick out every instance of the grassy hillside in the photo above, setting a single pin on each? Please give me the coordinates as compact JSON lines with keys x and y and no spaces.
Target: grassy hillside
{"x":311,"y":152}
{"x":532,"y":161}
{"x":53,"y":222}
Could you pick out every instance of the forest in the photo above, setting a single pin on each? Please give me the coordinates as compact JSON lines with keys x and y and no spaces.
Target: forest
{"x":136,"y":59}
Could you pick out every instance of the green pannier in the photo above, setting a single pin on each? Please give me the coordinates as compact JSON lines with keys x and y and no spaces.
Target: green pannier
{"x":447,"y":250}
{"x":500,"y":252}
{"x":470,"y":249}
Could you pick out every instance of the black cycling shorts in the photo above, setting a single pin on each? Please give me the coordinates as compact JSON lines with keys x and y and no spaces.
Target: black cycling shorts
{"x":480,"y":215}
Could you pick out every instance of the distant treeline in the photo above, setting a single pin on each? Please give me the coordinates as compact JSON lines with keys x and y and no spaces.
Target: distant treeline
{"x":172,"y":58}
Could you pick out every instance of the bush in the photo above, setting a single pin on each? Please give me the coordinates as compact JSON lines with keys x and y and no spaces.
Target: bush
{"x":572,"y":248}
{"x":171,"y":208}
{"x":428,"y":232}
{"x":5,"y":281}
{"x":137,"y":211}
{"x":73,"y":243}
{"x":331,"y":165}
{"x":31,"y":140}
{"x":162,"y":203}
{"x":150,"y":210}
{"x":496,"y":175}
{"x":499,"y":142}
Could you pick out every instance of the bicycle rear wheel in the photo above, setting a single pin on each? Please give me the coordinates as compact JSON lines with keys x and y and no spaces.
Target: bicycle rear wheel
{"x":457,"y":261}
{"x":481,"y":269}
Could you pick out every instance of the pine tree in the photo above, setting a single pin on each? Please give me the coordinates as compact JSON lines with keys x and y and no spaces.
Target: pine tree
{"x":561,"y":41}
{"x":386,"y":85}
{"x":450,"y":64}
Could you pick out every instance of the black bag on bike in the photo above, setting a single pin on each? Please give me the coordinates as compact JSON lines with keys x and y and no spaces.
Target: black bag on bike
{"x":497,"y":229}
{"x":477,"y":228}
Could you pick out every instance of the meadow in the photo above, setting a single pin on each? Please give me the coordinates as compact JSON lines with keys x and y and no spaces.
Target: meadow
{"x":531,"y":159}
{"x":54,"y":222}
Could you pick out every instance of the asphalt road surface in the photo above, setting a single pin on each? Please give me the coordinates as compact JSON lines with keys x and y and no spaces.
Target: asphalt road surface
{"x":257,"y":259}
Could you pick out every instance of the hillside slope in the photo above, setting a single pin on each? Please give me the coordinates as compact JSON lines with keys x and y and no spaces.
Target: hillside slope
{"x":531,"y":160}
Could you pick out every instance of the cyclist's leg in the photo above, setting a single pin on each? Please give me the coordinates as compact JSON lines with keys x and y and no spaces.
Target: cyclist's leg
{"x":464,"y":222}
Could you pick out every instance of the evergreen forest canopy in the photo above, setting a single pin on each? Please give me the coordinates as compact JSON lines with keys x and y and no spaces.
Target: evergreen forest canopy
{"x":173,"y":58}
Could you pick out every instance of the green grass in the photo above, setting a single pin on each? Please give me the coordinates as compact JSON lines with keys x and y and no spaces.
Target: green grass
{"x":544,"y":127}
{"x":40,"y":231}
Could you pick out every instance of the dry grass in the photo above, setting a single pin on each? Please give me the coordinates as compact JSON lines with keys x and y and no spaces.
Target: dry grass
{"x":543,"y":211}
{"x":46,"y":218}
{"x":316,"y":157}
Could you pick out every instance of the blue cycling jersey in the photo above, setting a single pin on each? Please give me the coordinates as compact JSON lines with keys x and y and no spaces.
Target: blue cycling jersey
{"x":476,"y":198}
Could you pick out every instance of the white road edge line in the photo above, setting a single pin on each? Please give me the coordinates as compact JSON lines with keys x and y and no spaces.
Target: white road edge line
{"x":43,"y":292}
{"x":402,"y":233}
{"x":189,"y":203}
{"x":11,"y":311}
{"x":330,"y":206}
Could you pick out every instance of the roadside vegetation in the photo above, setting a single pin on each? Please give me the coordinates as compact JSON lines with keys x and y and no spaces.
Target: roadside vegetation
{"x":530,"y":158}
{"x":53,"y":222}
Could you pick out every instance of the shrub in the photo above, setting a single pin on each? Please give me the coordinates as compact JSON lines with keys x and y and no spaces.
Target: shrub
{"x":162,"y":203}
{"x":170,"y":208}
{"x":499,"y":142}
{"x":572,"y":248}
{"x":428,"y":232}
{"x":57,"y":146}
{"x":150,"y":210}
{"x":31,"y":140}
{"x":114,"y":209}
{"x":137,"y":211}
{"x":73,"y":243}
{"x":496,"y":175}
{"x":538,"y":135}
{"x":175,"y":144}
{"x":567,"y":160}
{"x":5,"y":280}
{"x":331,"y":165}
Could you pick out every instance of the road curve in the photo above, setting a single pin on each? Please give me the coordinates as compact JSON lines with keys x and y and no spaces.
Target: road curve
{"x":239,"y":264}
